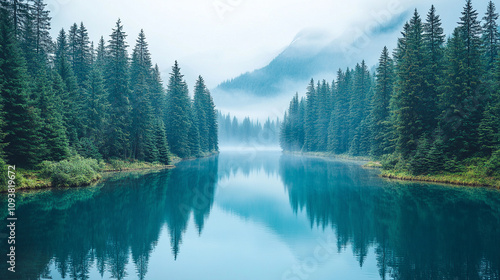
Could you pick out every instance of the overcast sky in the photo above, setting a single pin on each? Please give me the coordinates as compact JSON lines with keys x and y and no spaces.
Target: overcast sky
{"x":220,"y":39}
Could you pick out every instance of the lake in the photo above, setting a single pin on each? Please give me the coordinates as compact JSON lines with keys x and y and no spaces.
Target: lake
{"x":257,"y":215}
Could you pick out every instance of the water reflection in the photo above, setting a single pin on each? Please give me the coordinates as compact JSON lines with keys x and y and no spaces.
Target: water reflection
{"x":418,"y":231}
{"x":410,"y":231}
{"x":124,"y":218}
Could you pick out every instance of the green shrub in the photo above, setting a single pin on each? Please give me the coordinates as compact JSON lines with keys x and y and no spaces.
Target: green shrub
{"x":75,"y":171}
{"x":389,"y":161}
{"x":493,"y":164}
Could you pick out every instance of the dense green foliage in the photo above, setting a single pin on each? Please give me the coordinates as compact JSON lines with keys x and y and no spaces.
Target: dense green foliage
{"x":433,"y":106}
{"x":61,"y":97}
{"x":74,"y":171}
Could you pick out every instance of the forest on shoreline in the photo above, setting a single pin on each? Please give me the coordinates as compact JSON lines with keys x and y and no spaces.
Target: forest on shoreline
{"x":432,"y":108}
{"x":67,"y":106}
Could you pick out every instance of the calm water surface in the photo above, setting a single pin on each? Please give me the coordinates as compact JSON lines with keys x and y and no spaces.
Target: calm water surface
{"x":258,"y":216}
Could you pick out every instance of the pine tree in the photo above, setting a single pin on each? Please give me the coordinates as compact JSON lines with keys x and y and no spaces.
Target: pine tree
{"x":19,"y":13}
{"x":201,"y":111}
{"x":380,"y":114}
{"x":158,"y":94}
{"x":117,"y":85}
{"x":433,"y":38}
{"x":21,"y":119}
{"x":161,"y":142}
{"x":461,"y":100}
{"x":41,"y":20}
{"x":73,"y":45}
{"x":55,"y":146}
{"x":213,"y":126}
{"x":193,"y":134}
{"x":358,"y":108}
{"x":177,"y":118}
{"x":324,"y":113}
{"x":83,"y":56}
{"x":410,"y":88}
{"x":490,"y":37}
{"x":338,"y":136}
{"x":311,"y":116}
{"x":70,"y":96}
{"x":143,"y":144}
{"x":96,"y":108}
{"x":100,"y":59}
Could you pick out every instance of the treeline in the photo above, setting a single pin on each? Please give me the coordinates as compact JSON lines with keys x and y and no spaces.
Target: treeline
{"x":66,"y":96}
{"x":433,"y":105}
{"x":234,"y":131}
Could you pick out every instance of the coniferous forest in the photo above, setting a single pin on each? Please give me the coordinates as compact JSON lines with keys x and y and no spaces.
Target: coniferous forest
{"x":67,"y":97}
{"x":233,"y":131}
{"x":431,"y":106}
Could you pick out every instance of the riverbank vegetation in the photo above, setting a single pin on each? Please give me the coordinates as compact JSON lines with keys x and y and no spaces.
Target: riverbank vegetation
{"x":70,"y":110}
{"x":431,"y":110}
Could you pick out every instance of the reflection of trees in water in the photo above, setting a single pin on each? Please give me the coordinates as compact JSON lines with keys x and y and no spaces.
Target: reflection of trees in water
{"x":247,"y":162}
{"x":123,"y":219}
{"x":417,"y":232}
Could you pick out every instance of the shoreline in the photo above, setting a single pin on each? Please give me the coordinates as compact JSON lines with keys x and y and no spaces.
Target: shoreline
{"x":457,"y":179}
{"x":328,"y":155}
{"x":34,"y":182}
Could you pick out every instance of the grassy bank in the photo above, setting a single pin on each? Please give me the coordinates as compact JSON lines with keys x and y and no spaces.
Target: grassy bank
{"x":76,"y":171}
{"x":477,"y":171}
{"x":461,"y":178}
{"x":473,"y":172}
{"x":329,"y":155}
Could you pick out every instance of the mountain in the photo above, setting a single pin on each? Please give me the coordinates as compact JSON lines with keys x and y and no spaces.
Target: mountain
{"x":313,"y":53}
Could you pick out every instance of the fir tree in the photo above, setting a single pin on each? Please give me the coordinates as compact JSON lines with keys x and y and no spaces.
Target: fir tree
{"x":213,"y":126}
{"x":410,"y":88}
{"x":461,"y":99}
{"x":380,"y":114}
{"x":96,"y":108}
{"x":178,"y":115}
{"x":55,"y":146}
{"x":117,"y":85}
{"x":41,"y":20}
{"x":21,"y":119}
{"x":490,"y":37}
{"x":201,"y":111}
{"x":142,"y":111}
{"x":311,"y":116}
{"x":433,"y":44}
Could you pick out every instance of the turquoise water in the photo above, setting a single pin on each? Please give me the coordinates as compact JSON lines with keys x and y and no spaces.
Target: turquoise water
{"x":257,"y":215}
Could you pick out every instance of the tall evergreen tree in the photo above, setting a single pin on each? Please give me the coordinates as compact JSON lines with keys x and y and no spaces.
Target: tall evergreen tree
{"x":491,"y":37}
{"x":380,"y":114}
{"x":96,"y":108}
{"x":433,"y":38}
{"x":55,"y":146}
{"x":177,"y":119}
{"x":311,"y":116}
{"x":461,"y":99}
{"x":41,"y":19}
{"x":358,"y":108}
{"x":410,"y":88}
{"x":70,"y":96}
{"x":143,"y":144}
{"x":100,"y":58}
{"x":117,"y":85}
{"x":201,"y":110}
{"x":338,"y":132}
{"x":83,"y":57}
{"x":21,"y":119}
